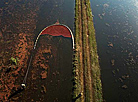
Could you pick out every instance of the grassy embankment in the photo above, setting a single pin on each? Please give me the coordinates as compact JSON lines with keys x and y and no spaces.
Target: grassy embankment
{"x":86,"y":65}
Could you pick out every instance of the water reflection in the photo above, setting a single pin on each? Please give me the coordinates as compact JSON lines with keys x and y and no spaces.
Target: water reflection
{"x":116,"y":24}
{"x":136,"y":3}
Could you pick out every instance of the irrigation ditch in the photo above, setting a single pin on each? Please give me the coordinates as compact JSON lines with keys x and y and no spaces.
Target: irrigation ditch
{"x":87,"y":85}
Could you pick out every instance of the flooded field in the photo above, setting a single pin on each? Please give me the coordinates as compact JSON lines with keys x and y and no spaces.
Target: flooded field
{"x":49,"y":78}
{"x":116,"y":24}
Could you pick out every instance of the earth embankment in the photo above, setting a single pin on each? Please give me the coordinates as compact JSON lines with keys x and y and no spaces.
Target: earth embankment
{"x":87,"y":82}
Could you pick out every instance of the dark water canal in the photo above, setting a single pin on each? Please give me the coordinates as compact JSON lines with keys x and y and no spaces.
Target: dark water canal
{"x":116,"y":24}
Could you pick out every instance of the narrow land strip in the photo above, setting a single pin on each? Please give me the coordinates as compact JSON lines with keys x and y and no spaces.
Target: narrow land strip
{"x":86,"y":65}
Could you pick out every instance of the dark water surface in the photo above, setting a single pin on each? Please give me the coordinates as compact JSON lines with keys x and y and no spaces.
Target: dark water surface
{"x":58,"y":82}
{"x":53,"y":10}
{"x":116,"y":24}
{"x":59,"y":61}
